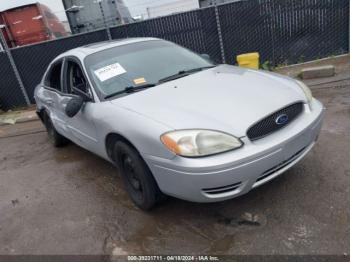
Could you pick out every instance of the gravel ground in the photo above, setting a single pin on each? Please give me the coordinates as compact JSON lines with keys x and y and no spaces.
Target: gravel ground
{"x":69,"y":201}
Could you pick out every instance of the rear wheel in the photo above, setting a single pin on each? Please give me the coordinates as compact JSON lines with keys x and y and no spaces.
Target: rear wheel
{"x":56,"y":139}
{"x":138,"y":179}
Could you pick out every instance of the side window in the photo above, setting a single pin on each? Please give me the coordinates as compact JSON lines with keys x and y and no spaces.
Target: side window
{"x":76,"y":81}
{"x":53,"y":78}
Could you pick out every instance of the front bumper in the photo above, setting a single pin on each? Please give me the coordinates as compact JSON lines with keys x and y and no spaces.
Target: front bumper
{"x":228,"y":175}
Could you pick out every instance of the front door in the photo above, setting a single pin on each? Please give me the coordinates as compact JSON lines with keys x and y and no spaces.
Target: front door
{"x":52,"y":95}
{"x":82,"y":125}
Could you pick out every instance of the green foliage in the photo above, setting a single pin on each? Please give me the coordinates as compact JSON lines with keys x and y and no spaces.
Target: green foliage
{"x":301,"y":59}
{"x":266,"y":66}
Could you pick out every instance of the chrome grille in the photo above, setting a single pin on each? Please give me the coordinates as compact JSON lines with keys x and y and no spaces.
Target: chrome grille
{"x":269,"y":124}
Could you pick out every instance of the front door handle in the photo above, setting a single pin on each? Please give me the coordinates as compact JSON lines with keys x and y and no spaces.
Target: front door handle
{"x":49,"y":101}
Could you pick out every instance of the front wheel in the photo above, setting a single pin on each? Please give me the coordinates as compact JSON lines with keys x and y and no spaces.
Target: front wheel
{"x":138,"y":179}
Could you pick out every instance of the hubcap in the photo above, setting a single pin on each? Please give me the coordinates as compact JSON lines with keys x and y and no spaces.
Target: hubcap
{"x":131,"y":174}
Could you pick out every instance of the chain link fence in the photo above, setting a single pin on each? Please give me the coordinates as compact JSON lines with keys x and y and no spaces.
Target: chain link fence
{"x":195,"y":30}
{"x":283,"y":32}
{"x":10,"y":90}
{"x":32,"y":61}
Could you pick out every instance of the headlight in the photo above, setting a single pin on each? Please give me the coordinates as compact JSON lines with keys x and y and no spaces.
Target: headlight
{"x":197,"y":143}
{"x":306,"y":91}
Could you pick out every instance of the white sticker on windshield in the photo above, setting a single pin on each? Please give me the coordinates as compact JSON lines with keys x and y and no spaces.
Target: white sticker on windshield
{"x":109,"y":71}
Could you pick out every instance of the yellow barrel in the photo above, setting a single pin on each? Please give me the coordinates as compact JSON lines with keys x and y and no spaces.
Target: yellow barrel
{"x":250,"y":60}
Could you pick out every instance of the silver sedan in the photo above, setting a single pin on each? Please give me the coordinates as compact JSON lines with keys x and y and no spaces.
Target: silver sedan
{"x":174,"y":122}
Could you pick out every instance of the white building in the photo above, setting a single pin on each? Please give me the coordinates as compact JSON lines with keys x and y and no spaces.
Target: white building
{"x":171,"y":8}
{"x":88,"y":15}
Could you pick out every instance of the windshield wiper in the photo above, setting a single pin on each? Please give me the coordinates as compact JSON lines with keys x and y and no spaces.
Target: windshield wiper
{"x":130,"y":89}
{"x":183,"y":73}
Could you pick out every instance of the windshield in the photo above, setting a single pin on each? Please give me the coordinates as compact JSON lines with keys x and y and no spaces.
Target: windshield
{"x":142,"y":63}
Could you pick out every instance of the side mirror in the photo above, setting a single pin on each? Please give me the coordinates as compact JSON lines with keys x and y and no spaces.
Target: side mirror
{"x":74,"y":105}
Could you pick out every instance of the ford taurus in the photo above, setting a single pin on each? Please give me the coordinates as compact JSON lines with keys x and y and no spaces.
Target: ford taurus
{"x":175,"y":123}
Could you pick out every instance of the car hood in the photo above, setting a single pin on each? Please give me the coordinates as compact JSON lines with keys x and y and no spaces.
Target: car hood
{"x":224,"y":98}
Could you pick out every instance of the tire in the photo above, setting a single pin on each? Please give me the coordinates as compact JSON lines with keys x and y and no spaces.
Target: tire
{"x":138,"y":179}
{"x":56,"y":139}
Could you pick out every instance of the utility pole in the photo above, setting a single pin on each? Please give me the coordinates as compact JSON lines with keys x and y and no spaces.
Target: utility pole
{"x":104,"y":20}
{"x":14,"y":68}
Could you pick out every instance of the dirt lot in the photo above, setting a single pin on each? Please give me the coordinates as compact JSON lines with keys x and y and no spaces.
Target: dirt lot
{"x":69,"y":201}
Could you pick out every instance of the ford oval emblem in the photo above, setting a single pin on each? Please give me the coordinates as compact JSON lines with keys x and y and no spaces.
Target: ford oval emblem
{"x":282,"y":119}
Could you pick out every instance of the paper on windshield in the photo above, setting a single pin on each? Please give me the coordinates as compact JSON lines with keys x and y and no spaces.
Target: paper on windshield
{"x":109,"y":72}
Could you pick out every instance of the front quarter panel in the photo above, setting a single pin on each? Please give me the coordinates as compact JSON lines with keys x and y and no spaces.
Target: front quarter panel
{"x":144,"y":133}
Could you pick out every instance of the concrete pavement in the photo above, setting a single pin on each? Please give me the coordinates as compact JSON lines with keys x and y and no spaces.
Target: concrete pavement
{"x":69,"y":201}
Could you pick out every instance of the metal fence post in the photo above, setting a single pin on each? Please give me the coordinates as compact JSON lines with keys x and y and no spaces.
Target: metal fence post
{"x":349,"y":27}
{"x":104,"y":20}
{"x":14,"y":68}
{"x":109,"y":33}
{"x":218,"y":25}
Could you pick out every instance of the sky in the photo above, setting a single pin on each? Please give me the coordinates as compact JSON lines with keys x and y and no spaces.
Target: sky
{"x":136,"y":7}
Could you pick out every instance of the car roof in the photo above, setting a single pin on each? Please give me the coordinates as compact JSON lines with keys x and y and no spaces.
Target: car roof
{"x":83,"y":51}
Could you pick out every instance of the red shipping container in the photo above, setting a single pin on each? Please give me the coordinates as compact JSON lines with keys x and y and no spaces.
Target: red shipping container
{"x":30,"y":24}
